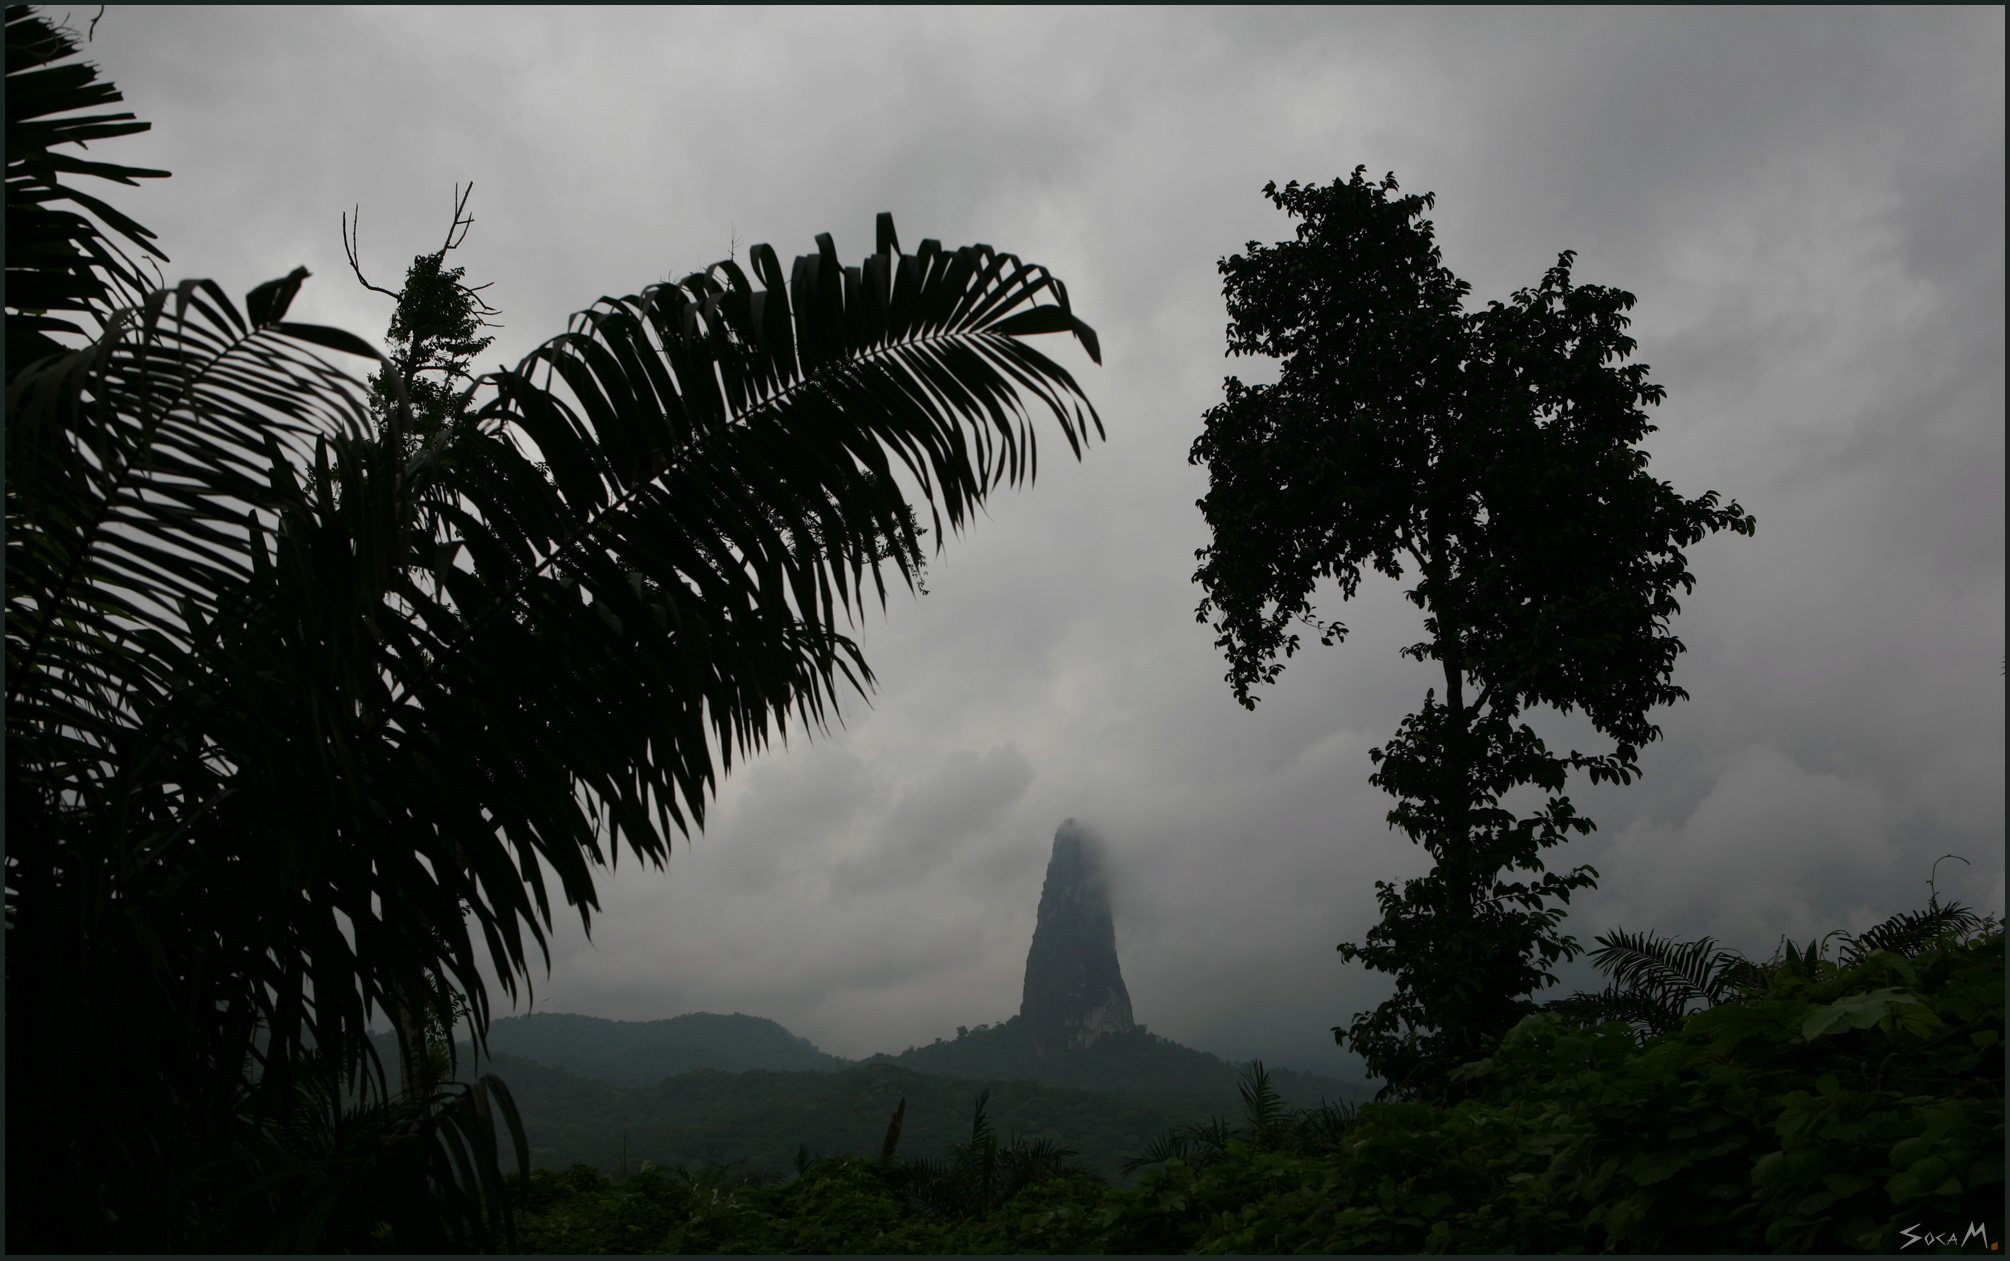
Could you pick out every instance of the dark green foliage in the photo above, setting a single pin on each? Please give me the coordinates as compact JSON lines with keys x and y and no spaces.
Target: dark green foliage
{"x":1496,"y":452}
{"x":971,"y":1178}
{"x":1270,"y":1125}
{"x":1657,"y":982}
{"x":1846,"y":1107}
{"x":1909,"y":932}
{"x":1139,"y":1064}
{"x":834,"y":1204}
{"x":1825,"y":1114}
{"x":579,"y":1210}
{"x":763,"y":1118}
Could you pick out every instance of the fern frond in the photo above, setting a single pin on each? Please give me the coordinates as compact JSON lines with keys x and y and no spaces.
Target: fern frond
{"x":1651,"y":1014}
{"x":1909,"y":932}
{"x":1683,"y":972}
{"x":1263,"y":1107}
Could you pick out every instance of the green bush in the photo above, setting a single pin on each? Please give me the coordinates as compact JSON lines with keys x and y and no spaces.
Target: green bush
{"x":1842,"y":1108}
{"x":1829,"y":1114}
{"x":1837,"y":1111}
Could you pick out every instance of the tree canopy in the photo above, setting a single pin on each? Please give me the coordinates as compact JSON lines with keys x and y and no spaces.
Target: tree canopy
{"x":1494,"y":457}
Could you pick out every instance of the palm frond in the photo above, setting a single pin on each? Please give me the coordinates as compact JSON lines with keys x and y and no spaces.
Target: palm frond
{"x":1909,"y":932}
{"x":1657,"y":982}
{"x":1174,"y":1145}
{"x":147,"y":473}
{"x":1683,"y":972}
{"x":62,"y":265}
{"x":657,"y":521}
{"x":1651,"y":1014}
{"x":1320,"y":1128}
{"x":1263,"y":1108}
{"x":970,"y":1179}
{"x":1028,"y":1161}
{"x":1208,"y":1140}
{"x":141,"y":473}
{"x":300,"y":726}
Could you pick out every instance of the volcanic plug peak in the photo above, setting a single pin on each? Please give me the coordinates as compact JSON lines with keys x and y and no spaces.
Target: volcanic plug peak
{"x":1074,"y":991}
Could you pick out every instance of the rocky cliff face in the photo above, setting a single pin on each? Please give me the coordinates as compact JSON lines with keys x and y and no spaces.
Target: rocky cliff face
{"x":1074,"y":992}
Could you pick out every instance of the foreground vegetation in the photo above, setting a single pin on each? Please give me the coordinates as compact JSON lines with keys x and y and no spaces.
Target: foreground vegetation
{"x":317,"y":685}
{"x":763,"y":1118}
{"x":1834,"y":1107}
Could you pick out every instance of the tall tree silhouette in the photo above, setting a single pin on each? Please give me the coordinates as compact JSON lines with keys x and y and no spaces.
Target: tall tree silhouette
{"x":434,"y":335}
{"x":1497,"y":454}
{"x":436,"y":328}
{"x":302,"y":707}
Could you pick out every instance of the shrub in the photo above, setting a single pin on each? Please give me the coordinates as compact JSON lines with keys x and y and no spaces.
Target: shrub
{"x":1841,"y":1106}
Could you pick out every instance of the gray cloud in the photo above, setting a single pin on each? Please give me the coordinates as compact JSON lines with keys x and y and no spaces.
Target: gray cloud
{"x":923,"y":829}
{"x":1808,"y":202}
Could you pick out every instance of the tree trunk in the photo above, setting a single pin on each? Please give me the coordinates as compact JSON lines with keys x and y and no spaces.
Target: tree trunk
{"x":414,"y":1062}
{"x":1456,"y":861}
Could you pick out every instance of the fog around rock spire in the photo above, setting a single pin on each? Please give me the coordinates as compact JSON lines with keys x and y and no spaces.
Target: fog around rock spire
{"x":1074,"y":991}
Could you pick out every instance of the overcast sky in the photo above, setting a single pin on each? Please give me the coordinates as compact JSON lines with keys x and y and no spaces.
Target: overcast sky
{"x":1808,"y":202}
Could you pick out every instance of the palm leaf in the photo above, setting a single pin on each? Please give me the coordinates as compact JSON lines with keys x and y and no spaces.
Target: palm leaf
{"x":1651,"y":1014}
{"x":1682,"y":972}
{"x":149,"y":877}
{"x":289,"y":714}
{"x":1909,"y":932}
{"x":61,"y":263}
{"x":1169,"y":1146}
{"x":660,"y":518}
{"x":1263,"y":1107}
{"x":1657,"y":982}
{"x":1208,"y":1140}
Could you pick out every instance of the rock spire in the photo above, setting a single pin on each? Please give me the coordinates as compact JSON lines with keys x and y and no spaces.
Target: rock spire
{"x":1074,"y":991}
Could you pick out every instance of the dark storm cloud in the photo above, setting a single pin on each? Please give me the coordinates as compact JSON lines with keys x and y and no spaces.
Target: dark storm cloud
{"x":1808,"y":202}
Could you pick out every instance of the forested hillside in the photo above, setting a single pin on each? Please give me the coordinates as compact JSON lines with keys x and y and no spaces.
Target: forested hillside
{"x":642,"y":1052}
{"x":706,"y":1087}
{"x":1829,"y":1105}
{"x":764,"y":1118}
{"x":1138,"y":1064}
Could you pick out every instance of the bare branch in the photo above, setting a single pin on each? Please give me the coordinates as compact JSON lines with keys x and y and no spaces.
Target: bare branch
{"x":352,"y":247}
{"x":463,"y":221}
{"x":457,"y":232}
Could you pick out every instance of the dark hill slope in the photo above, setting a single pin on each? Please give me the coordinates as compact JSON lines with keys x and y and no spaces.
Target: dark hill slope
{"x":641,"y":1052}
{"x":1141,"y":1065}
{"x":762,"y":1117}
{"x":1138,"y":1064}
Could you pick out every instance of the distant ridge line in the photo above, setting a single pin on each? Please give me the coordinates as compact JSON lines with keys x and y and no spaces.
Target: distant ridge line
{"x":1136,"y":1063}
